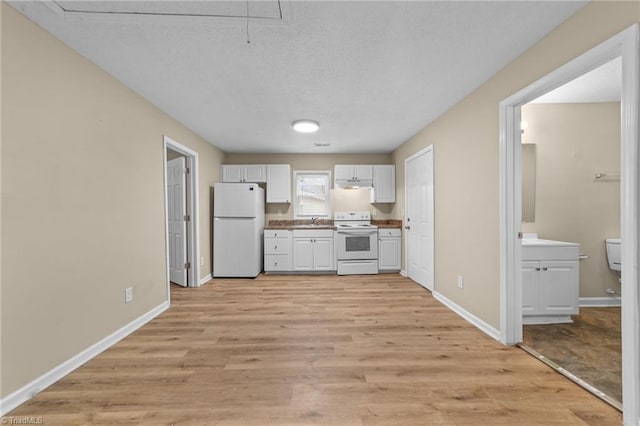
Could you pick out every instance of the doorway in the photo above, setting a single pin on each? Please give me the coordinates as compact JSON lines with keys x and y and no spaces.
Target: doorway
{"x":624,"y":45}
{"x":419,"y":218}
{"x":181,"y":214}
{"x":571,"y":205}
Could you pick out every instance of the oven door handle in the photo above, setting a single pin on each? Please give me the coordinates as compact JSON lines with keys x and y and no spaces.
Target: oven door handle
{"x":357,"y":233}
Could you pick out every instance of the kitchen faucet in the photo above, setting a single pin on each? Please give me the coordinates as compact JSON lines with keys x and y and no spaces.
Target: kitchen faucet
{"x":313,"y":220}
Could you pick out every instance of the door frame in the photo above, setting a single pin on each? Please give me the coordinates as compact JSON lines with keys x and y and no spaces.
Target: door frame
{"x":193,"y":228}
{"x":625,"y":45}
{"x":430,"y":206}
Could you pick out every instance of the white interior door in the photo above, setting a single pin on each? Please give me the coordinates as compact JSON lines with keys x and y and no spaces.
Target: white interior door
{"x":177,"y":204}
{"x":419,"y":217}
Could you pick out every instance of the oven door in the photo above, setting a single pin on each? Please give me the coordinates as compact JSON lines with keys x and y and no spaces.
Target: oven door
{"x":358,"y":245}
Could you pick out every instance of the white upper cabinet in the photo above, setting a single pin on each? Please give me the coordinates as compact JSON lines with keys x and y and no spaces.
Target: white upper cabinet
{"x":278,"y":183}
{"x":384,"y":184}
{"x":353,"y":175}
{"x":232,"y":173}
{"x":256,"y":173}
{"x":363,"y":172}
{"x":343,"y":173}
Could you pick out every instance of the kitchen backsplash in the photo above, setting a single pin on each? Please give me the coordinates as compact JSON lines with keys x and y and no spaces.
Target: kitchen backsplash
{"x":341,"y":200}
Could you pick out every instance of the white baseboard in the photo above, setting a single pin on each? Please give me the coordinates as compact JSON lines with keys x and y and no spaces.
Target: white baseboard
{"x":600,"y":302}
{"x":403,"y":272}
{"x":47,"y":379}
{"x":205,"y":279}
{"x":474,"y":320}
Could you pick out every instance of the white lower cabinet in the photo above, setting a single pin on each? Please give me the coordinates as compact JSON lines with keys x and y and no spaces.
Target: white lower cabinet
{"x":389,"y":249}
{"x":277,"y":250}
{"x":550,"y":288}
{"x":313,"y":250}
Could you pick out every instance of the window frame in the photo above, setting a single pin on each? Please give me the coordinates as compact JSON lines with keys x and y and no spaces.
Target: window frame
{"x":296,"y":201}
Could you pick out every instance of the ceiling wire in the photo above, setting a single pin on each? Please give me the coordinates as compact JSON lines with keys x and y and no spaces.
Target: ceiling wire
{"x":248,"y":36}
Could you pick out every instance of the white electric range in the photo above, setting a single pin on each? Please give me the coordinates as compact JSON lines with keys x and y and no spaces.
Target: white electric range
{"x":357,"y":243}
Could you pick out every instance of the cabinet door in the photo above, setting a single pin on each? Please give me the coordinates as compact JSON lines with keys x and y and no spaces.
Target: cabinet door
{"x":343,"y":172}
{"x":389,"y":254}
{"x":384,"y":184}
{"x":232,"y":173}
{"x":255,"y":173}
{"x":530,"y":288}
{"x":363,"y":172}
{"x":559,"y":287}
{"x":278,"y":183}
{"x":323,"y":254}
{"x":302,"y":254}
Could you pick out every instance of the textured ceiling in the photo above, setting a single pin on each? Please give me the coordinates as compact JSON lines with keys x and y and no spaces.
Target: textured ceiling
{"x":372,"y":73}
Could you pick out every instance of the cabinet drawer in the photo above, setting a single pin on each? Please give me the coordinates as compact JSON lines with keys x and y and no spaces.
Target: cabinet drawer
{"x":389,"y":232}
{"x":312,"y":233}
{"x":276,"y":246}
{"x":276,"y":233}
{"x":277,"y":262}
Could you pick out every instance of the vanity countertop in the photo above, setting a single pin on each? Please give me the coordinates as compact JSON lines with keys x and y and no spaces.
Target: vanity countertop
{"x":538,"y":242}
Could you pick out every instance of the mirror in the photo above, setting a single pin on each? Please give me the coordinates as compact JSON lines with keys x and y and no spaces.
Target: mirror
{"x":528,"y":182}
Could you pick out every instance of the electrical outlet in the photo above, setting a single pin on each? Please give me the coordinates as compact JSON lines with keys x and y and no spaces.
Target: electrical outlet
{"x":201,"y":260}
{"x":460,"y":281}
{"x":128,"y":294}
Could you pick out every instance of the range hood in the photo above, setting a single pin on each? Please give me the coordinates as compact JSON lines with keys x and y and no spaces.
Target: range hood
{"x":353,"y":183}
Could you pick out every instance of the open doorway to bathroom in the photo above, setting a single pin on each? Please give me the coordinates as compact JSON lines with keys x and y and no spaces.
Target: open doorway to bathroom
{"x":570,"y":209}
{"x":625,"y":45}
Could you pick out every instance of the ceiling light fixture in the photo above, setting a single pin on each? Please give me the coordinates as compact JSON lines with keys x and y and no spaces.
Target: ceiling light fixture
{"x":305,"y":126}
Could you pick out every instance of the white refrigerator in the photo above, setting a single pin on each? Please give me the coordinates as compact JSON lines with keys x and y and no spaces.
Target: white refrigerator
{"x":238,"y":228}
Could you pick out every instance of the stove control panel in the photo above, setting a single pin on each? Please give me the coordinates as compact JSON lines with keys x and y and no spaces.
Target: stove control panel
{"x":361,"y":215}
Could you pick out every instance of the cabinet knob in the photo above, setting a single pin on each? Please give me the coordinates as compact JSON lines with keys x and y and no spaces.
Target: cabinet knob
{"x":545,"y":268}
{"x":275,"y":247}
{"x":537,"y":269}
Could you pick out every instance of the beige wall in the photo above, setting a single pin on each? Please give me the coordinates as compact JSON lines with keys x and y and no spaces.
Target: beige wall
{"x":341,"y":199}
{"x":574,"y":142}
{"x":82,"y":202}
{"x":1,"y":273}
{"x":465,"y":143}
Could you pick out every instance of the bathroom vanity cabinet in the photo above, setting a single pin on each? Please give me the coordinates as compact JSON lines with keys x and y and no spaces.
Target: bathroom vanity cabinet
{"x":550,"y":281}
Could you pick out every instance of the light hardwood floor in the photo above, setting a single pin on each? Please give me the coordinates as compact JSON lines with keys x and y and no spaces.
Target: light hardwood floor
{"x":320,"y":350}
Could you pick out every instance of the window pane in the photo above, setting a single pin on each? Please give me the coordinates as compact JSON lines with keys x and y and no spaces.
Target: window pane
{"x":312,"y":192}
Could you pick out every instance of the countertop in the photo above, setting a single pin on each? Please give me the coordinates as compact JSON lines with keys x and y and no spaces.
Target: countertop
{"x":300,"y":224}
{"x":539,"y":242}
{"x":387,"y":223}
{"x":325,"y":224}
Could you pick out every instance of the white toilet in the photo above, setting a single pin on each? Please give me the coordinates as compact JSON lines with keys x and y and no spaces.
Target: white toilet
{"x":614,"y":255}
